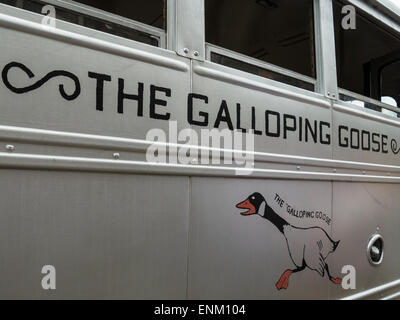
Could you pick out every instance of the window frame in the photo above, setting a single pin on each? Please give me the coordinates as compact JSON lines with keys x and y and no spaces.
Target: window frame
{"x":212,"y":48}
{"x":159,"y":34}
{"x":380,"y":76}
{"x":368,"y":100}
{"x":392,"y":24}
{"x":77,"y":7}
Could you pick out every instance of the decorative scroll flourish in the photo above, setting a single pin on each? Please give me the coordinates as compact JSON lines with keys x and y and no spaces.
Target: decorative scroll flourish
{"x":395,"y":147}
{"x":38,"y":84}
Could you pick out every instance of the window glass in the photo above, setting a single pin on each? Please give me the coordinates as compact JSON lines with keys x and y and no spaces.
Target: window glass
{"x":240,"y":65}
{"x":390,"y":82}
{"x":279,"y":32}
{"x":368,"y":57}
{"x":150,"y":12}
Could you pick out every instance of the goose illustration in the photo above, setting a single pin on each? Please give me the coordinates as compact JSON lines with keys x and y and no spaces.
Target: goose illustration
{"x":308,"y":247}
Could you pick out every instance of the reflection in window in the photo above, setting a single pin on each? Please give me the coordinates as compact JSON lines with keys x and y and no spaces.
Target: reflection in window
{"x":279,"y":32}
{"x":367,"y":58}
{"x":150,"y":12}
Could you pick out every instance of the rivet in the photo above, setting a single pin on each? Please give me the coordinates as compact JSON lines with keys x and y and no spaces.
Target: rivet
{"x":364,"y":172}
{"x":116,"y":156}
{"x":334,"y":170}
{"x":298,"y":168}
{"x":186,"y":50}
{"x":10,"y":148}
{"x":196,"y":53}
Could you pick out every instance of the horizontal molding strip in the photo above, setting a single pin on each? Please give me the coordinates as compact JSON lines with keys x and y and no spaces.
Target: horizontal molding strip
{"x":374,"y":291}
{"x":394,"y":296}
{"x":11,"y":134}
{"x":42,"y":162}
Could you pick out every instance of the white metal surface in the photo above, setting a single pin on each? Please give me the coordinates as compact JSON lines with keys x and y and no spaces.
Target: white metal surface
{"x":78,"y":192}
{"x":325,"y":48}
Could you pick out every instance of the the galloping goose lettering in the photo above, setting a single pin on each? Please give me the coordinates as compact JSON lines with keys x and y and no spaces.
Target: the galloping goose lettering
{"x":272,"y":124}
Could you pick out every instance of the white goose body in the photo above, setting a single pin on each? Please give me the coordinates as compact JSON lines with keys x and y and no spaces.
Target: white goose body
{"x":311,"y":246}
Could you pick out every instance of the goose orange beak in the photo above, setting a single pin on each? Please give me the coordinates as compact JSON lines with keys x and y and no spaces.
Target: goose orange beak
{"x":246,"y":205}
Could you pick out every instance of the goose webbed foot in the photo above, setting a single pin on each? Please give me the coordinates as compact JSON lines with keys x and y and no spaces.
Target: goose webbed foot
{"x":333,"y":279}
{"x":336,"y":280}
{"x":283,"y":282}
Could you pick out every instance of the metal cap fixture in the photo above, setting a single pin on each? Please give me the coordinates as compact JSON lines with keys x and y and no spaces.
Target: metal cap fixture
{"x":375,"y":250}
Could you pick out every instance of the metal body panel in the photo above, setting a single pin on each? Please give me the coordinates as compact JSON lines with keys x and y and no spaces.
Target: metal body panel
{"x":121,"y":227}
{"x":106,"y":235}
{"x":237,"y":257}
{"x":371,"y":209}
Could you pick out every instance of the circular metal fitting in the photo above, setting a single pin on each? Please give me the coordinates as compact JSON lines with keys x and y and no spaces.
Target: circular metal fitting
{"x":375,"y":250}
{"x":116,"y":156}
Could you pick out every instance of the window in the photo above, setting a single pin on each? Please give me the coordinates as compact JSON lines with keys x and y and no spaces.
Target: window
{"x":368,"y":62}
{"x":270,"y":38}
{"x":390,"y":81}
{"x":149,"y":12}
{"x":117,"y":17}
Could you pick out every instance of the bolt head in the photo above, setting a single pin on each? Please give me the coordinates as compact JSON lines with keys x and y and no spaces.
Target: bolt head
{"x":116,"y":156}
{"x":10,"y":148}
